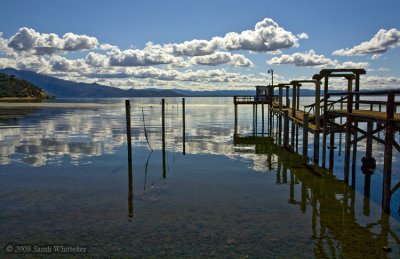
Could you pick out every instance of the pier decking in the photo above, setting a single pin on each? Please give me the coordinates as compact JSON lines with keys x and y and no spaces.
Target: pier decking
{"x":351,"y":112}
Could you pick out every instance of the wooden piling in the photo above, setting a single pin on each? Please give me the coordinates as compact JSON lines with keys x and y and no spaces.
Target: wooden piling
{"x":348,"y":137}
{"x":129,"y":140}
{"x":305,"y":138}
{"x":163,"y":137}
{"x":269,"y":120}
{"x":184,"y":126}
{"x":317,"y":121}
{"x":389,"y":140}
{"x":286,"y":129}
{"x":331,"y":150}
{"x":128,"y":129}
{"x":262,"y":119}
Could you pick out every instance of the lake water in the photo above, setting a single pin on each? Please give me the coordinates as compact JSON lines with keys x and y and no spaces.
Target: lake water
{"x":64,"y":180}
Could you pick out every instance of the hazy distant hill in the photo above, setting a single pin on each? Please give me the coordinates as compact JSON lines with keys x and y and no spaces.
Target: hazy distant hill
{"x":13,"y":87}
{"x":63,"y":88}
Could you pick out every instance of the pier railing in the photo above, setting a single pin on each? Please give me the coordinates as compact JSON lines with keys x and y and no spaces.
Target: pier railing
{"x":355,"y":99}
{"x":251,"y":99}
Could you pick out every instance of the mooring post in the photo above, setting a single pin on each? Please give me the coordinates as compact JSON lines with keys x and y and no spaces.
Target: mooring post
{"x":286,"y":130}
{"x":287,"y":98}
{"x":262,"y":120}
{"x":279,"y":115}
{"x":298,"y":97}
{"x":356,"y":106}
{"x":294,"y":99}
{"x":305,"y":138}
{"x":269,"y":120}
{"x":129,"y":140}
{"x":163,"y":137}
{"x":317,"y":120}
{"x":348,"y":137}
{"x":325,"y":132}
{"x":184,"y":126}
{"x":387,"y":164}
{"x":256,"y":120}
{"x":294,"y":105}
{"x":331,"y":150}
{"x":297,"y":138}
{"x":128,"y":129}
{"x":236,"y":119}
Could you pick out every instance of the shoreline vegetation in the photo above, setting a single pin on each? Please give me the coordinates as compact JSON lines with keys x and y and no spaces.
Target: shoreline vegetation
{"x":12,"y":88}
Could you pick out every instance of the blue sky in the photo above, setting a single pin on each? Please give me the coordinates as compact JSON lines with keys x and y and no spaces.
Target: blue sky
{"x":201,"y":45}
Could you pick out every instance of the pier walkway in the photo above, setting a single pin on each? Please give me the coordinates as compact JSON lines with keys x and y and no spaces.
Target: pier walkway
{"x":360,"y":115}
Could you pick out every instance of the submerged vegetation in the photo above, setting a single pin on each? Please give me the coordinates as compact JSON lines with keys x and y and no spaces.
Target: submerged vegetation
{"x":11,"y":87}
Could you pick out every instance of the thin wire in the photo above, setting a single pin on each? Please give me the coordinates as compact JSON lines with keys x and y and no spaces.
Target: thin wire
{"x":145,"y":131}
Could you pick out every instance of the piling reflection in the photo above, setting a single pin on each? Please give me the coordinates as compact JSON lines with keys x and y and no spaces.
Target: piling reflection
{"x":335,"y":225}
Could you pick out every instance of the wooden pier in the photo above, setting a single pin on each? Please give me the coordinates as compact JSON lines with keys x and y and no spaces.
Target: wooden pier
{"x":359,"y":115}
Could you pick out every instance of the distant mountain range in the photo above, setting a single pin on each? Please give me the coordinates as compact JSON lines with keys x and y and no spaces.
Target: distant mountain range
{"x":63,"y":88}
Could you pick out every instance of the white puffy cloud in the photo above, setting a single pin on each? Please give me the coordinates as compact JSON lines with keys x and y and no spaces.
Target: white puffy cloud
{"x":136,"y":57}
{"x":382,"y":82}
{"x":309,"y":58}
{"x":30,"y":41}
{"x":61,"y":64}
{"x":193,"y":47}
{"x":351,"y":64}
{"x":220,"y":58}
{"x":97,"y":60}
{"x":380,"y":43}
{"x":266,"y":36}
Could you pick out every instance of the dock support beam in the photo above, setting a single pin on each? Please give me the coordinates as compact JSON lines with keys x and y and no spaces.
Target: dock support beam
{"x":286,"y":130}
{"x":348,"y":137}
{"x":387,"y":166}
{"x":305,"y":138}
{"x":317,"y":120}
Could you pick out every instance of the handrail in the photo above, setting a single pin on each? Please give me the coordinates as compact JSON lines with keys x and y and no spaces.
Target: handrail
{"x":386,"y":92}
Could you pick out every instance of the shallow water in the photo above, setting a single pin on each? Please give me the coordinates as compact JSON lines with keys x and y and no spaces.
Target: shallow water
{"x":64,"y":179}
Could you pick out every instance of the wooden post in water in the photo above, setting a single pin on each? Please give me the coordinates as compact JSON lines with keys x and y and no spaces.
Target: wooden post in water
{"x":317,"y":121}
{"x":163,"y":137}
{"x":286,"y":129}
{"x":331,"y":150}
{"x":389,"y":139}
{"x":256,"y":120}
{"x":354,"y":155}
{"x":184,"y":126}
{"x":294,"y":105}
{"x":269,"y":120}
{"x":128,"y":129}
{"x":236,"y":115}
{"x":129,"y":140}
{"x":348,"y":137}
{"x":297,"y":138}
{"x":325,"y":132}
{"x":262,"y":120}
{"x":287,"y":98}
{"x":305,"y":138}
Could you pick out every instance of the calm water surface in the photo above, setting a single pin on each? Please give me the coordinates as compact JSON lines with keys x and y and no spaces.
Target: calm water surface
{"x":64,"y":179}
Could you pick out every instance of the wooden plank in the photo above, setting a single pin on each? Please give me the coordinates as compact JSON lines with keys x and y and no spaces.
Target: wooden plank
{"x":375,"y":115}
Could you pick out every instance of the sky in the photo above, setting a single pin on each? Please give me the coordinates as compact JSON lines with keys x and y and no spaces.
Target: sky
{"x":201,"y":45}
